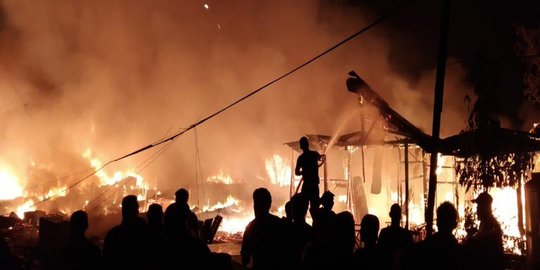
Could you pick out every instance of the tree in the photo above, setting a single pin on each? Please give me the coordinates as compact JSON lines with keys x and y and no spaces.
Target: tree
{"x":489,"y":166}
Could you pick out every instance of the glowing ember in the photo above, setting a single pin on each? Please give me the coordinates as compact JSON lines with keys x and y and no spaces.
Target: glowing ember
{"x":9,"y":186}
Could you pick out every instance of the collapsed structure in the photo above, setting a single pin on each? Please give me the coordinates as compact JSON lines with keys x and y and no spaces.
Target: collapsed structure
{"x":387,"y":162}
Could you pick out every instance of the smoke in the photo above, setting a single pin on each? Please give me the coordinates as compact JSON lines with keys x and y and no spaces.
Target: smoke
{"x":115,"y":76}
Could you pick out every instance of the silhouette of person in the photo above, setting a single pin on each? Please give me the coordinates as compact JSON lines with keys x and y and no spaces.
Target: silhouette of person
{"x":182,"y":198}
{"x":395,"y":238}
{"x":327,"y":203}
{"x":307,"y":165}
{"x":263,"y":241}
{"x":327,"y":200}
{"x":321,"y":253}
{"x":345,"y":240}
{"x":300,"y":233}
{"x":485,"y":246}
{"x":156,"y":235}
{"x":371,"y":256}
{"x":182,"y":248}
{"x":288,"y":218}
{"x":154,"y":216}
{"x":125,"y":245}
{"x":79,"y":252}
{"x":441,"y":250}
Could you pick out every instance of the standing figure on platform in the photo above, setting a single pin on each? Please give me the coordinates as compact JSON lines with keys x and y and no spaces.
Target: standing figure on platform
{"x":307,"y":165}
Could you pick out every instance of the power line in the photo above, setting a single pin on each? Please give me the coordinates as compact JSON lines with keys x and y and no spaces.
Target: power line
{"x":148,"y":160}
{"x":285,"y":75}
{"x":339,"y":44}
{"x":85,"y":178}
{"x":153,"y":158}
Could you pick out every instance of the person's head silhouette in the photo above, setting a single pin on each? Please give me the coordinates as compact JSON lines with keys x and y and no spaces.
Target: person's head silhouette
{"x":304,"y":143}
{"x":447,"y":218}
{"x":78,"y":223}
{"x":130,"y":207}
{"x":395,"y":214}
{"x":289,"y":211}
{"x":369,"y":230}
{"x":345,"y":231}
{"x":181,"y":196}
{"x":327,"y":200}
{"x":154,"y":215}
{"x":299,"y":207}
{"x":174,"y":217}
{"x":483,"y":202}
{"x":262,"y":200}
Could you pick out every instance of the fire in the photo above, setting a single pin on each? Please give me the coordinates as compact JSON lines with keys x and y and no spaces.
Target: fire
{"x":9,"y":185}
{"x":54,"y":192}
{"x":117,"y":176}
{"x":231,"y":201}
{"x":25,"y":207}
{"x":235,"y":224}
{"x":220,"y":178}
{"x":416,"y":214}
{"x":279,"y":170}
{"x":505,"y":210}
{"x":440,"y":163}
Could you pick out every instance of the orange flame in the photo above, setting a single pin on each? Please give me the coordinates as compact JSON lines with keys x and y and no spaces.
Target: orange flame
{"x":9,"y":185}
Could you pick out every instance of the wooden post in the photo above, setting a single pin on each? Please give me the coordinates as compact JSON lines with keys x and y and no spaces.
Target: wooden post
{"x":291,"y":187}
{"x":325,"y":171}
{"x":437,"y":110}
{"x":407,"y":185}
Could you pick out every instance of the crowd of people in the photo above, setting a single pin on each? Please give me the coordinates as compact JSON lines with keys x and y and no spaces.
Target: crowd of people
{"x":271,"y":242}
{"x":171,"y":237}
{"x":157,"y":240}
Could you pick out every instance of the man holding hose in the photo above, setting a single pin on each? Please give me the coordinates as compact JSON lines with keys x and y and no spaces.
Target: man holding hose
{"x":307,"y":165}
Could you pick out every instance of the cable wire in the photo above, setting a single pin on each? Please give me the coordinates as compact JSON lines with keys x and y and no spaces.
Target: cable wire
{"x":285,"y":75}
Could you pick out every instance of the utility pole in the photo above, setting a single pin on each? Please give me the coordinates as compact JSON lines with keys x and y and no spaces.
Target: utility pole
{"x":437,"y":110}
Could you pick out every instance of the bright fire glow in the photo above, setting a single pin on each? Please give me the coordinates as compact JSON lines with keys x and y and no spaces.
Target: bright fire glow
{"x":9,"y":186}
{"x":104,"y":177}
{"x":25,"y":207}
{"x":220,"y":178}
{"x":279,"y":170}
{"x":440,"y":163}
{"x":219,"y":205}
{"x":235,"y":224}
{"x":505,"y":210}
{"x":416,"y":214}
{"x":54,"y":192}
